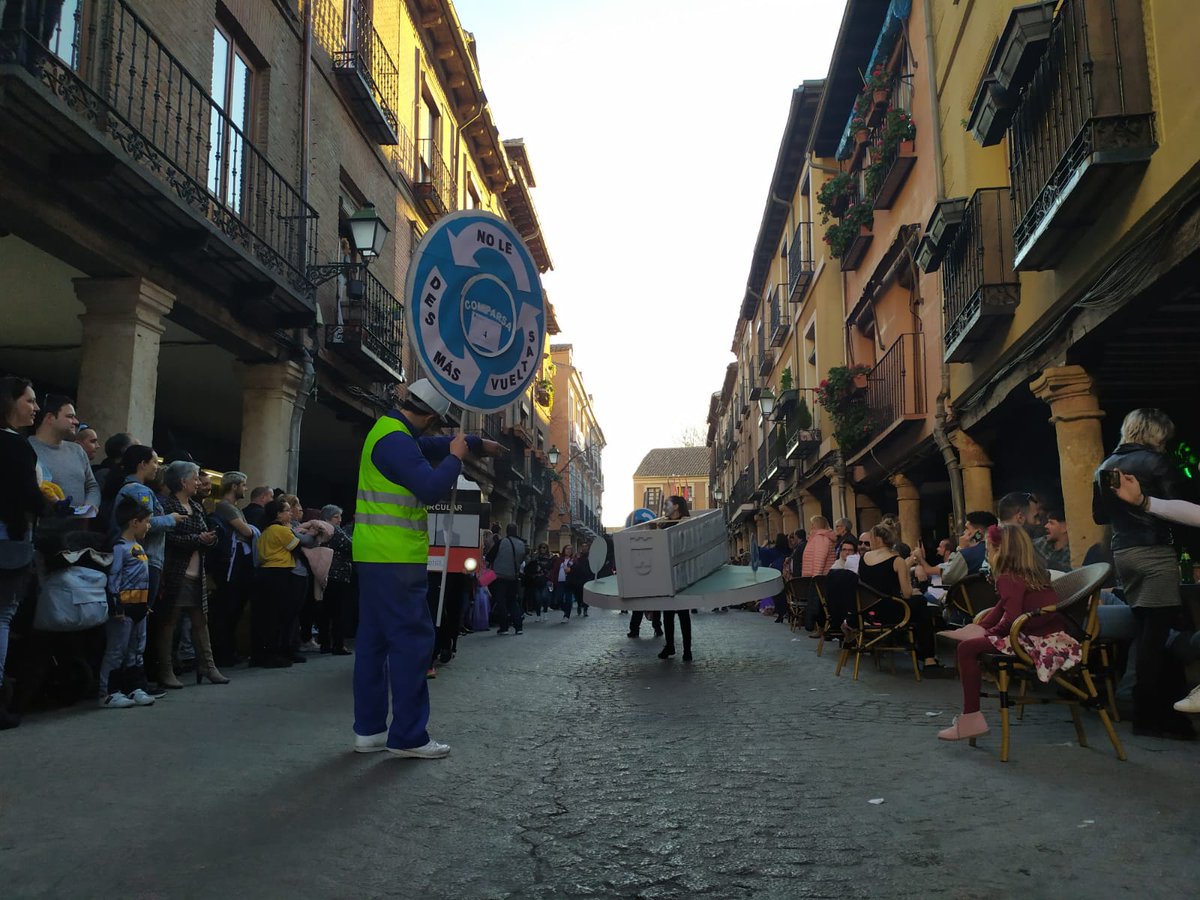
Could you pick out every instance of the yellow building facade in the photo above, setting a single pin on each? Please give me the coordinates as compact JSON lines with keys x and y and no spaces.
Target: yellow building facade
{"x":1007,"y":267}
{"x":180,"y":192}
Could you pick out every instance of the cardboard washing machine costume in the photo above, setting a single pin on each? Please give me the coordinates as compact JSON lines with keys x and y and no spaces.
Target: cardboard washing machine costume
{"x":401,"y":470}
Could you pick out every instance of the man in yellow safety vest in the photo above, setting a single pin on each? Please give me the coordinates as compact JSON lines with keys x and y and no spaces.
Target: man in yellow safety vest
{"x":400,"y":471}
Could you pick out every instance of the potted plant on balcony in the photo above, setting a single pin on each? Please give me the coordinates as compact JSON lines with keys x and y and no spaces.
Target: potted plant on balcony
{"x":847,"y":406}
{"x":835,"y":195}
{"x":858,"y":126}
{"x":878,"y":84}
{"x":543,"y":392}
{"x":857,"y":221}
{"x":899,"y":133}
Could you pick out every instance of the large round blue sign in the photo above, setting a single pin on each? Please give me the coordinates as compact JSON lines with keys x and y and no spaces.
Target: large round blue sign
{"x":476,"y":311}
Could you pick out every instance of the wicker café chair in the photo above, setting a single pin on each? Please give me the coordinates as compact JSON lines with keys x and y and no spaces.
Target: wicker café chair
{"x":871,"y":636}
{"x":829,"y":630}
{"x":1079,"y":598}
{"x":797,"y":596}
{"x":968,"y":598}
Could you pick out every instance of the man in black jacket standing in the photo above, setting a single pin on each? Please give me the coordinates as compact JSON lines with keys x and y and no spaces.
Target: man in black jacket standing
{"x":507,"y":556}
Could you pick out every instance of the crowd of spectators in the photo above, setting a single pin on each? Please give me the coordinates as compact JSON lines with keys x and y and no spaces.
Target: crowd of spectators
{"x":178,"y":566}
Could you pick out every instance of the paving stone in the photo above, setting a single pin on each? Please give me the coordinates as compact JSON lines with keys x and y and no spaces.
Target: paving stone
{"x":583,"y":766}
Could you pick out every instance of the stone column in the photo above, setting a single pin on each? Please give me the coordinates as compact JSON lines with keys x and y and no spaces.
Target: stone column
{"x":270,"y":393}
{"x":976,"y":467}
{"x":118,"y":371}
{"x":868,"y":515}
{"x":809,"y":506}
{"x":908,"y":500}
{"x":1075,"y":411}
{"x":837,"y":490}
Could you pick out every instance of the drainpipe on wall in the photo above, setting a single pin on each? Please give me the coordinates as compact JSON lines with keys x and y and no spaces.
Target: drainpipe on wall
{"x":939,"y":416}
{"x":309,"y":379}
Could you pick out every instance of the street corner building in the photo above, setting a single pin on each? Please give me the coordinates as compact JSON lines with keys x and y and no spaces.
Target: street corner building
{"x":974,"y":274}
{"x":209,"y":214}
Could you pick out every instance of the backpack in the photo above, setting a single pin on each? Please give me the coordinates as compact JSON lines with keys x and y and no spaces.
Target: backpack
{"x":533,"y":572}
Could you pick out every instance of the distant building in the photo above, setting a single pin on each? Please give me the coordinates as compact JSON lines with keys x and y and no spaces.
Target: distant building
{"x":672,"y":471}
{"x":576,"y":435}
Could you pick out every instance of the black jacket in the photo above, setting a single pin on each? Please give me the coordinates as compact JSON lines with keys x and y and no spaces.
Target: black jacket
{"x":1130,"y":526}
{"x":20,"y":497}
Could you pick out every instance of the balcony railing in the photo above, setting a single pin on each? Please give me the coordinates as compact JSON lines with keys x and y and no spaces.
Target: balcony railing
{"x":373,"y":328}
{"x":365,"y":70}
{"x":124,"y":82}
{"x":762,"y":465}
{"x":432,"y":180}
{"x":1085,"y":112}
{"x":800,"y":262}
{"x":779,"y":322}
{"x":978,"y":281}
{"x":493,"y":425}
{"x":896,"y":385}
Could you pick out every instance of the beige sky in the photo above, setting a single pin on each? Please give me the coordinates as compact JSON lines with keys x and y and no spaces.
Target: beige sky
{"x":652,"y":127}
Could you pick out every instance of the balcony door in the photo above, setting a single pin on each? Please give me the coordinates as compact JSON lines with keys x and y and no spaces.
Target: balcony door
{"x":232,"y":84}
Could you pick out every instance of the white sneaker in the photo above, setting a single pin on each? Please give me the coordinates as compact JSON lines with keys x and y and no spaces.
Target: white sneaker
{"x":310,"y":647}
{"x":432,"y":750}
{"x":116,"y":701}
{"x":141,"y":698}
{"x":1190,"y":703}
{"x":370,"y":743}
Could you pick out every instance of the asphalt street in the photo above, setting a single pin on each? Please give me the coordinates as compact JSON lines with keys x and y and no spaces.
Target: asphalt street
{"x":583,"y":766}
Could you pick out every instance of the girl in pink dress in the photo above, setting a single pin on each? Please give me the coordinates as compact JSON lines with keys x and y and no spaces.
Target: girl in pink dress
{"x":1023,"y":585}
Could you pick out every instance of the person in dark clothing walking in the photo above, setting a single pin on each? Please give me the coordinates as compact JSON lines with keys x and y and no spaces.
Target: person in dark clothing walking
{"x":506,"y":558}
{"x":677,"y":508}
{"x":580,"y":574}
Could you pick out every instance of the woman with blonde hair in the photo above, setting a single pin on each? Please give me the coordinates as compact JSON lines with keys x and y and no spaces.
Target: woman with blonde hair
{"x":885,"y":571}
{"x":1023,"y":585}
{"x":1147,"y":562}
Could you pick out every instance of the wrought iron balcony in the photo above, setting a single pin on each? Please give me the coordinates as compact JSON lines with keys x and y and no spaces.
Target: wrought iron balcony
{"x":779,"y":322}
{"x":114,"y":103}
{"x":763,"y":467}
{"x":800,"y":262}
{"x":372,"y":330}
{"x":1085,"y":114}
{"x":978,"y":281}
{"x":432,"y":181}
{"x":896,"y":386}
{"x":802,"y":442}
{"x":493,"y":426}
{"x":366,"y":73}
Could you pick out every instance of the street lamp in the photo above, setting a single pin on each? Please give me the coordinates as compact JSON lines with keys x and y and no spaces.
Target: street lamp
{"x":552,"y":454}
{"x":367,"y":233}
{"x":718,"y":494}
{"x":766,"y":402}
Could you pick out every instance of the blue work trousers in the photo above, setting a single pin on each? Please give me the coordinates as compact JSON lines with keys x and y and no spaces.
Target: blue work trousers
{"x":392,"y":648}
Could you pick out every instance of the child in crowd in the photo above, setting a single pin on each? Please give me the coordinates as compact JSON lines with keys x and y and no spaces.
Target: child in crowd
{"x":1023,"y":585}
{"x":128,"y":595}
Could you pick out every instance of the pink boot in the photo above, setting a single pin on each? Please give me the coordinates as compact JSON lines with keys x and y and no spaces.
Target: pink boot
{"x":968,"y":725}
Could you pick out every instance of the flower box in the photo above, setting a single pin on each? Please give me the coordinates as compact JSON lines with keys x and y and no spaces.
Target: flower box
{"x":857,"y":249}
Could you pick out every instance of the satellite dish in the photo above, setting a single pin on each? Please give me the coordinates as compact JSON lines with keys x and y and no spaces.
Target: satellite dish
{"x":639,"y":517}
{"x":598,"y":555}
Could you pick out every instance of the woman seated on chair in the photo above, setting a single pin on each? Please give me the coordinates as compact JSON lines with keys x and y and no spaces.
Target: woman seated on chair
{"x":884,"y":570}
{"x":1023,"y":585}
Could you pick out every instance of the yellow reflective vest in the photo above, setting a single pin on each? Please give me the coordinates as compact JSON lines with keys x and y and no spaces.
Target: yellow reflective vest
{"x":389,"y":520}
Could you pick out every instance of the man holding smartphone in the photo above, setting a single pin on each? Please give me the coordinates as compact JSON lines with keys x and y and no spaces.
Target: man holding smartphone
{"x":971,"y":553}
